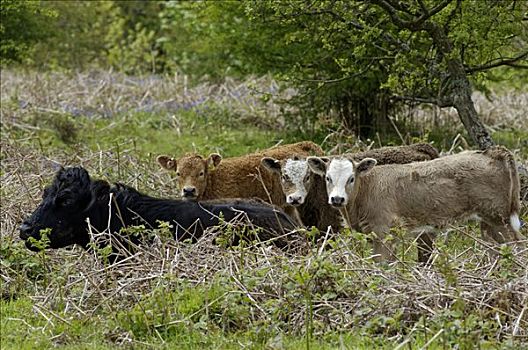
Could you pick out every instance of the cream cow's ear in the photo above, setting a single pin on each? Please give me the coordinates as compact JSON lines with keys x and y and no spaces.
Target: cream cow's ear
{"x":365,"y":166}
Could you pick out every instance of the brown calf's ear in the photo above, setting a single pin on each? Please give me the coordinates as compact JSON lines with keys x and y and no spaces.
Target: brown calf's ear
{"x":213,"y":160}
{"x":167,"y":162}
{"x":365,"y":166}
{"x":317,"y":164}
{"x":271,"y":164}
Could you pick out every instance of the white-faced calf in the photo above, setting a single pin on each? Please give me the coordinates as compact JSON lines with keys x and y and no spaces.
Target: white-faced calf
{"x":305,"y":191}
{"x":421,"y":195}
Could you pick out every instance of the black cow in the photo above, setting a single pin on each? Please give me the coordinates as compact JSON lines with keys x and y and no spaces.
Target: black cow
{"x":73,"y":198}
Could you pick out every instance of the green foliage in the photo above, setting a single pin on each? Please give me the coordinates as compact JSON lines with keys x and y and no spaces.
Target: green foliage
{"x":205,"y":308}
{"x":84,"y":34}
{"x":14,"y":256}
{"x":23,"y":23}
{"x":350,"y":60}
{"x":75,"y":38}
{"x":356,"y":61}
{"x":132,"y":38}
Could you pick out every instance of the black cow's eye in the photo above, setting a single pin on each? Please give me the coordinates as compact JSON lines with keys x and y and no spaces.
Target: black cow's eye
{"x":64,"y":201}
{"x":328,"y":179}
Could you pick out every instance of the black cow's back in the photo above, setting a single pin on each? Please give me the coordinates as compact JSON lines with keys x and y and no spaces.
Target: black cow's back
{"x":191,"y":218}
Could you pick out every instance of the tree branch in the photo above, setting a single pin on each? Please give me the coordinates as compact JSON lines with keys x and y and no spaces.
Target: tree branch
{"x":452,"y":15}
{"x":437,"y":9}
{"x":392,"y":13}
{"x":435,"y":101}
{"x":500,"y":62}
{"x":415,"y":25}
{"x":385,"y":36}
{"x":346,"y":77}
{"x":401,"y":7}
{"x":424,"y":8}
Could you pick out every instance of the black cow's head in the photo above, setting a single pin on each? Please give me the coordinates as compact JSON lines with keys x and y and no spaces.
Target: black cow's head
{"x":63,"y":211}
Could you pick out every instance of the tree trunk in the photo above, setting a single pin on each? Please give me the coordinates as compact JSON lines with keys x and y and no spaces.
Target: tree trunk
{"x":365,"y":114}
{"x":459,"y":92}
{"x":461,"y":98}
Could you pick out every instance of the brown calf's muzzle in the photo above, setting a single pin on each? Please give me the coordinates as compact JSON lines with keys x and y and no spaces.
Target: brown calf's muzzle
{"x":189,"y":193}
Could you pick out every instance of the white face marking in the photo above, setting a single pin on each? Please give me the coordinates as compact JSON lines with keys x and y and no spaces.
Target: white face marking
{"x":338,"y":179}
{"x":296,"y":171}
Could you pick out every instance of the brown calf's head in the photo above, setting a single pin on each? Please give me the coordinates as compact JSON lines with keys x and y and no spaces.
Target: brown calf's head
{"x":191,"y":172}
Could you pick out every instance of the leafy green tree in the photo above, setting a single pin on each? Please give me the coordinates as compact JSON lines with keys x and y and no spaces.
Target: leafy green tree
{"x":384,"y":52}
{"x":22,"y":24}
{"x":80,"y":34}
{"x":132,"y":37}
{"x":214,"y":39}
{"x":75,"y":41}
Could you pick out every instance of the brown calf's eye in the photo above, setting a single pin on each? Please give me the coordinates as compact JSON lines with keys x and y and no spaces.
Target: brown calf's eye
{"x":202,"y":173}
{"x":177,"y":174}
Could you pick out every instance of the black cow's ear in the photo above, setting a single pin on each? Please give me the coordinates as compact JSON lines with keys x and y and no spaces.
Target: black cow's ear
{"x":84,"y":176}
{"x":271,"y":164}
{"x":90,"y":202}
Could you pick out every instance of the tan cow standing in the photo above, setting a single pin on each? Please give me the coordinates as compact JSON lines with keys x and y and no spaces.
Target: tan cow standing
{"x":425,"y":195}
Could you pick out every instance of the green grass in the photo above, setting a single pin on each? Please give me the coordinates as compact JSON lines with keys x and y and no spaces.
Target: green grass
{"x":24,"y":328}
{"x":150,"y":134}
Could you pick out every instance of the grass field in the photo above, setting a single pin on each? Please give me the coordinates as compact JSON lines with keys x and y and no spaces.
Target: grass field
{"x":181,"y":296}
